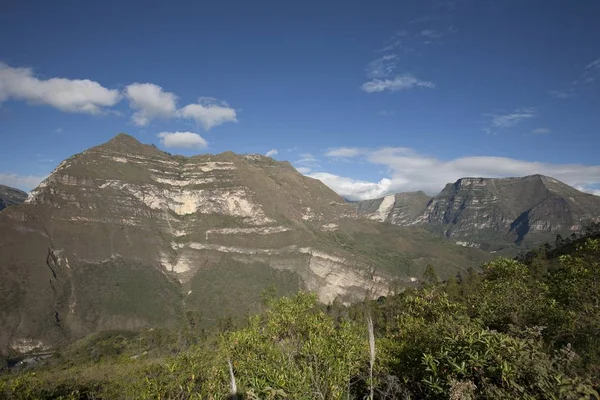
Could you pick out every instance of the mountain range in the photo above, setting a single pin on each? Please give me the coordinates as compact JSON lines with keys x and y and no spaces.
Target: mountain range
{"x":10,"y":196}
{"x":126,"y":236}
{"x":492,"y":213}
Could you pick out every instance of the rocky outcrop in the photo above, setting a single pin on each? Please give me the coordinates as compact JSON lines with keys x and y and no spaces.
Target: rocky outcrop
{"x":398,"y":209}
{"x":124,"y":235}
{"x":10,"y":196}
{"x":487,"y":213}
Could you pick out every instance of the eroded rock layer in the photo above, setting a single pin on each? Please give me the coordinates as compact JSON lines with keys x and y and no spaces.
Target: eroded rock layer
{"x":125,"y":236}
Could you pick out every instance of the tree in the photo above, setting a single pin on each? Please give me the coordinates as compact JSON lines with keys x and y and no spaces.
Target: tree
{"x":430,"y":277}
{"x":452,"y":288}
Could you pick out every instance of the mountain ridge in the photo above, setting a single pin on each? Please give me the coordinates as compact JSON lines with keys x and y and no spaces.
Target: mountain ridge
{"x":483,"y":212}
{"x":10,"y":196}
{"x":124,"y":235}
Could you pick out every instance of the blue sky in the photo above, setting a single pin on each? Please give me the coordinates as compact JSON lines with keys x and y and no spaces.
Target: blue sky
{"x":370,"y":97}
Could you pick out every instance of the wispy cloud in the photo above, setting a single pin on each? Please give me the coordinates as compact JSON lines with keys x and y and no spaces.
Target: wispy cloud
{"x":382,"y":67}
{"x":400,"y":82}
{"x":590,"y":190}
{"x":562,"y":94}
{"x":306,"y":158}
{"x":503,"y":121}
{"x":185,"y":140}
{"x":383,"y":72}
{"x":409,"y":170}
{"x":426,"y":19}
{"x":589,"y":75}
{"x":303,"y":170}
{"x":344,"y":152}
{"x":540,"y":131}
{"x":70,"y":95}
{"x":591,"y":72}
{"x":399,"y":41}
{"x":306,"y":163}
{"x":431,"y":34}
{"x":271,"y":153}
{"x":23,"y":182}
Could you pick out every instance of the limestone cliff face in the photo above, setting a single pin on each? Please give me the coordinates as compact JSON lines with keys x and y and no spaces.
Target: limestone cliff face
{"x":10,"y":196}
{"x":124,"y":235}
{"x":481,"y":212}
{"x":398,"y":209}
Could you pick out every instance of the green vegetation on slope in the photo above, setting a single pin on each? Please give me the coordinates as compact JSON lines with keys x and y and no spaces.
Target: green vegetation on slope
{"x":516,"y":331}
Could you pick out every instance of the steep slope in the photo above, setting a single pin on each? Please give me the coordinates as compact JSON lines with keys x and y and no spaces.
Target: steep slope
{"x":10,"y":196}
{"x":124,"y":235}
{"x":398,"y":209}
{"x":494,"y":213}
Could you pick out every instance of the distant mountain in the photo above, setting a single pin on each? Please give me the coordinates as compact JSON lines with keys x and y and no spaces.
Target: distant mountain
{"x":125,"y":236}
{"x":492,"y":213}
{"x":10,"y":196}
{"x":398,"y":209}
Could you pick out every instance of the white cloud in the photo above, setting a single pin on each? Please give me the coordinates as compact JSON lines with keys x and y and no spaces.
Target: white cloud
{"x":186,"y":140}
{"x":342,"y":152}
{"x":508,"y":120}
{"x":562,"y":94}
{"x":271,"y":153}
{"x":382,"y":67}
{"x":504,"y":121}
{"x":353,"y":189}
{"x":591,"y":72}
{"x":400,"y":82}
{"x":411,"y":171}
{"x":24,"y":182}
{"x":306,"y":163}
{"x":71,"y":95}
{"x":540,"y":131}
{"x":398,"y":41}
{"x":431,"y":34}
{"x":303,"y":170}
{"x":595,"y":192}
{"x":306,"y":158}
{"x":209,"y":113}
{"x":150,"y":101}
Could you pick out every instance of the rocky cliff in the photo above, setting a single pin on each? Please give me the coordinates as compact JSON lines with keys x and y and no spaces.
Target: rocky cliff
{"x":491,"y":213}
{"x":398,"y":209}
{"x":125,"y":236}
{"x":10,"y":196}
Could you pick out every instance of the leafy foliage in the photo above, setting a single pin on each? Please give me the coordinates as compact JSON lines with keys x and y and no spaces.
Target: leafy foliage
{"x":524,"y":329}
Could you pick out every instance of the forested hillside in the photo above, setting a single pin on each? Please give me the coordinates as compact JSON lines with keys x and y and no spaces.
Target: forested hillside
{"x":524,"y":329}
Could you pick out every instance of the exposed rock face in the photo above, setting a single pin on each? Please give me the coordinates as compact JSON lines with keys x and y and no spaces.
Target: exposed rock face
{"x":398,"y":209}
{"x":480,"y":212}
{"x":10,"y":196}
{"x":124,"y":235}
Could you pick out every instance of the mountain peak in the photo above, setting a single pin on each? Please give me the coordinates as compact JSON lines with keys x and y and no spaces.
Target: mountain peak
{"x":124,"y":138}
{"x":123,"y":142}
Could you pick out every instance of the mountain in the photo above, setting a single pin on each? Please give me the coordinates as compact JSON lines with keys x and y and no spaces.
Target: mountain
{"x":125,"y":236}
{"x":398,"y":209}
{"x":10,"y":196}
{"x":491,"y":213}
